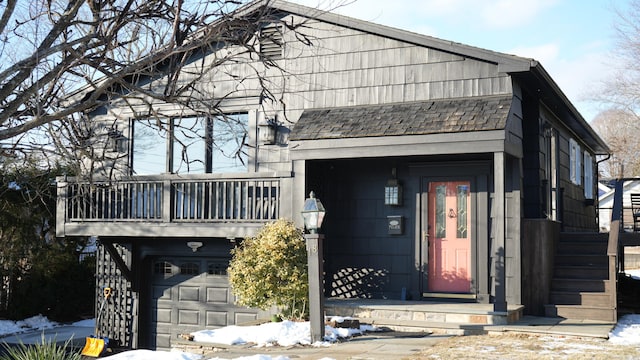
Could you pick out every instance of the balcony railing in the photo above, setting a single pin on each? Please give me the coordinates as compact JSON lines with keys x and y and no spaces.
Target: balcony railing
{"x":172,"y":199}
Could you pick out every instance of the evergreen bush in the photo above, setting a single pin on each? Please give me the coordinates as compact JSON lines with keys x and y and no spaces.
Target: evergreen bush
{"x":270,"y":269}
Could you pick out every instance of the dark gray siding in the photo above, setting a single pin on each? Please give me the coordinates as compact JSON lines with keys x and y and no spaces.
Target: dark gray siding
{"x":361,"y":259}
{"x":577,"y":215}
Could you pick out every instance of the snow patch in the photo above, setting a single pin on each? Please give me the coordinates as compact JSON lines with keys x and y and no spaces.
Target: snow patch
{"x":285,"y":333}
{"x":627,"y":331}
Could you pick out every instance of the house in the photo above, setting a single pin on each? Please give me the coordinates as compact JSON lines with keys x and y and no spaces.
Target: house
{"x":448,"y":172}
{"x":605,"y":201}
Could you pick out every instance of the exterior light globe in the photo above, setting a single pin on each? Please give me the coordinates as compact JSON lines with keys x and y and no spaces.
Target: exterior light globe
{"x":313,"y":213}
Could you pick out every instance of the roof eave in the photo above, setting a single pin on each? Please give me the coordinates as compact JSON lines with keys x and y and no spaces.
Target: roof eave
{"x":598,"y":145}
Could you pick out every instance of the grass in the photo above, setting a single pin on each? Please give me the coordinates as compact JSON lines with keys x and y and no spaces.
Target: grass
{"x":528,"y":347}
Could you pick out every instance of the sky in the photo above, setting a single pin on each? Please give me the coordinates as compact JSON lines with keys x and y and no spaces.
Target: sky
{"x":572,"y":39}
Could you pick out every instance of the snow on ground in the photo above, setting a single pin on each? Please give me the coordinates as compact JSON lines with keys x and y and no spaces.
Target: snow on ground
{"x":634,"y":273}
{"x":285,"y":333}
{"x":627,"y":331}
{"x":38,"y":322}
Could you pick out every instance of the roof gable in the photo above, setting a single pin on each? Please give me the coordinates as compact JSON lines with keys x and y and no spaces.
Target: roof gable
{"x":506,"y":62}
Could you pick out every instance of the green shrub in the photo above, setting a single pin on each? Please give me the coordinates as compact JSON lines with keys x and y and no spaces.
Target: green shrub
{"x":45,"y":350}
{"x":271,"y":270}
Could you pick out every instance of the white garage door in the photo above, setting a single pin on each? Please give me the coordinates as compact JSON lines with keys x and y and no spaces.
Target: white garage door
{"x":191,"y":294}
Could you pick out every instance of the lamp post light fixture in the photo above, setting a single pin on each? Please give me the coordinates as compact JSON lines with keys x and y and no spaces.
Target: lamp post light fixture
{"x":313,"y":214}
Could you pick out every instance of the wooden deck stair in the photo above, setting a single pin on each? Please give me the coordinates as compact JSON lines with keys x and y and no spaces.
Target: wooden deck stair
{"x":581,"y":288}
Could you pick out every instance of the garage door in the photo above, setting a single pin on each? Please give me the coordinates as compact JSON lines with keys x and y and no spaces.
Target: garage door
{"x":191,"y":294}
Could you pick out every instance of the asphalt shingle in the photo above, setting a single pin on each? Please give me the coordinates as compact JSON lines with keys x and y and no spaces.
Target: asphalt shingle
{"x":416,"y":118}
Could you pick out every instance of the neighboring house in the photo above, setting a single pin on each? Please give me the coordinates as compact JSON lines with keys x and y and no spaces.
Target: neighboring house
{"x":605,"y":201}
{"x":441,"y":167}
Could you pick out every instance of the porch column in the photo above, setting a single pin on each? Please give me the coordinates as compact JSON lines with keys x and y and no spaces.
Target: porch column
{"x":499,"y":253}
{"x":61,"y":204}
{"x":298,"y":191}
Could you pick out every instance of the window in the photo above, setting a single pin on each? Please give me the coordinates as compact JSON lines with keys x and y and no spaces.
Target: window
{"x":190,"y":138}
{"x":218,"y":267}
{"x":149,"y":152}
{"x":575,"y":158}
{"x":198,"y":145}
{"x":229,"y":143}
{"x":588,"y":176}
{"x":162,"y":267}
{"x":189,"y":269}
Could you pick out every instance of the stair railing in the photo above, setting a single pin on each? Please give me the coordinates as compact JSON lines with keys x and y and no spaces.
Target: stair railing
{"x":613,"y":247}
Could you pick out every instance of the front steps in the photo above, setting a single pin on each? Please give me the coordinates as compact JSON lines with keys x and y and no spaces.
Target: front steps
{"x":456,"y":318}
{"x":581,"y":288}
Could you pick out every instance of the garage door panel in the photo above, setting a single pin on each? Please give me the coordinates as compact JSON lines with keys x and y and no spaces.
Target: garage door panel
{"x":163,"y":316}
{"x":188,"y":317}
{"x":188,"y":293}
{"x":217,"y":295}
{"x":245,"y":317}
{"x":216,"y":319}
{"x":163,"y":341}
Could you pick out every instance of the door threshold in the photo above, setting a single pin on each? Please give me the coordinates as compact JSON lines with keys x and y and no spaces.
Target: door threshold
{"x":449,"y":296}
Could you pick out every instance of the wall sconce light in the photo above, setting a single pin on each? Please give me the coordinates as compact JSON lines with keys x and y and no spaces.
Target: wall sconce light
{"x":194,"y":245}
{"x":393,"y":191}
{"x":267,"y":129}
{"x":115,"y":140}
{"x":547,"y":129}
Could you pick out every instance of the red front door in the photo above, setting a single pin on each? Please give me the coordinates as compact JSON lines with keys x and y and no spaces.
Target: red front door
{"x":449,"y":237}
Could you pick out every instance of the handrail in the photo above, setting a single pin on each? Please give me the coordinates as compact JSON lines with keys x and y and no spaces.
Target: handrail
{"x":173,"y":198}
{"x":613,"y":248}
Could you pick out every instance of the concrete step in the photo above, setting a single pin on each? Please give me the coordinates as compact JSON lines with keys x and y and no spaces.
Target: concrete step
{"x":389,"y":311}
{"x":410,"y":326}
{"x":579,"y":312}
{"x":598,"y":299}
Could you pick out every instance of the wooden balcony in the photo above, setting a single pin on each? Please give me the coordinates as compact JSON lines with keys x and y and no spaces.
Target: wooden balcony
{"x":172,"y":206}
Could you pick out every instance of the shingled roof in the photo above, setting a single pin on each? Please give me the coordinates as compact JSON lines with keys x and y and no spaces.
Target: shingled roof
{"x":417,"y":118}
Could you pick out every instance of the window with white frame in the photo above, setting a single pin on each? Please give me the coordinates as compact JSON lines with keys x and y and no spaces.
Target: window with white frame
{"x":575,"y":159}
{"x":588,"y":176}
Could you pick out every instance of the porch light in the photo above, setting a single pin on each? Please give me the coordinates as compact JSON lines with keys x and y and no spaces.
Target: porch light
{"x":267,"y":129}
{"x":116,"y":139}
{"x":393,"y":191}
{"x":313,"y":213}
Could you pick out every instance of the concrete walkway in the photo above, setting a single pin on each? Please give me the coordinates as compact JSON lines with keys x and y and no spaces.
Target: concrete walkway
{"x":403,"y":345}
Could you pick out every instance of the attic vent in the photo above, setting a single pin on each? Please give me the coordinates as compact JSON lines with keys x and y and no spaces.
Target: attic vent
{"x":271,"y":43}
